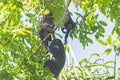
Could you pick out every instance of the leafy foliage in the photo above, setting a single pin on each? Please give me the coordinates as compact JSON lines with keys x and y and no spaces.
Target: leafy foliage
{"x":19,"y":40}
{"x":89,"y":69}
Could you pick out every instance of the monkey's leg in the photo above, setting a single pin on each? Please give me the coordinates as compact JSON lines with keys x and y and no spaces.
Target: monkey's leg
{"x":52,"y":66}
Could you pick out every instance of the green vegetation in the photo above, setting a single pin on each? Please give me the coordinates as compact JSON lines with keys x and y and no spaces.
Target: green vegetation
{"x":19,"y":43}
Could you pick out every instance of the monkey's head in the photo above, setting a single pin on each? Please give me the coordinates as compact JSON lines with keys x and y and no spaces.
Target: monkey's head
{"x":56,"y":41}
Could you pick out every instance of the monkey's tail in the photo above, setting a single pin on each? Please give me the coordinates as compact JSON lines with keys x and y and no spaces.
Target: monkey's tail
{"x":64,"y":30}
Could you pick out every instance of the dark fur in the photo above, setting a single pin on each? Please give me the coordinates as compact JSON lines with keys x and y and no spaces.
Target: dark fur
{"x":68,"y":26}
{"x":47,"y":25}
{"x":55,"y":65}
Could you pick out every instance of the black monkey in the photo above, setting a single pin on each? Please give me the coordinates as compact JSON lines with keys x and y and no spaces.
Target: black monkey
{"x":52,"y":65}
{"x":57,"y":63}
{"x":68,"y":26}
{"x":47,"y":25}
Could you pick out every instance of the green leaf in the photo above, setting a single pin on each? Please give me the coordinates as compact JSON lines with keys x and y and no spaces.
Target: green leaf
{"x":107,"y":51}
{"x":19,"y":4}
{"x":97,"y":36}
{"x":102,"y":29}
{"x":103,"y":23}
{"x":97,"y":61}
{"x":94,"y":54}
{"x":83,"y":61}
{"x":109,"y":62}
{"x":89,"y":40}
{"x":108,"y":67}
{"x":96,"y":16}
{"x":59,"y":35}
{"x":109,"y":40}
{"x":4,"y":1}
{"x":102,"y":42}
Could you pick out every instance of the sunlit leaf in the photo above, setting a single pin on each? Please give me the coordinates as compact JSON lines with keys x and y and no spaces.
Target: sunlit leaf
{"x":116,"y":41}
{"x":108,"y":67}
{"x":97,"y":61}
{"x":109,"y":40}
{"x":102,"y":42}
{"x":83,"y":61}
{"x":109,"y":62}
{"x":94,"y":54}
{"x":108,"y":51}
{"x":27,"y":31}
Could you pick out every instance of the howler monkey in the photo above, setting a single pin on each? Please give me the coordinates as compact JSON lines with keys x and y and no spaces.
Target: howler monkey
{"x":47,"y":25}
{"x":68,"y":26}
{"x":57,"y":63}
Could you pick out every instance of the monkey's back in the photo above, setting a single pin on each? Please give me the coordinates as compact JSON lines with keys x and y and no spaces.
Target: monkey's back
{"x":58,"y":52}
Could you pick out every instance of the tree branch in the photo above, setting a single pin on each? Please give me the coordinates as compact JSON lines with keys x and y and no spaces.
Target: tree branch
{"x":41,"y":42}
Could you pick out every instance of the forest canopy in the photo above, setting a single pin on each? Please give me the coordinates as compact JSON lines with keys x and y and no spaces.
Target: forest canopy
{"x":22,"y":54}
